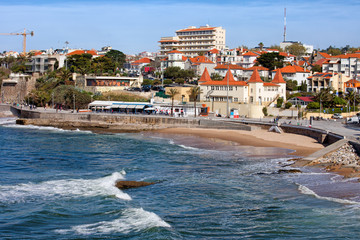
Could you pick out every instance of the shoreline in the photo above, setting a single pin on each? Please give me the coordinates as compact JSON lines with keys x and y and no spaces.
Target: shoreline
{"x":302,"y":145}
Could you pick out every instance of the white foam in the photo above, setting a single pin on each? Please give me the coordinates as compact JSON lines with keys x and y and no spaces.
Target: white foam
{"x":188,"y":147}
{"x":64,"y":188}
{"x":132,"y":220}
{"x":7,"y":121}
{"x":307,"y":191}
{"x":54,"y":129}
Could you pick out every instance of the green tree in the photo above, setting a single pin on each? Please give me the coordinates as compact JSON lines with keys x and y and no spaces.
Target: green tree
{"x":313,"y":105}
{"x":167,"y":81}
{"x":261,"y":46}
{"x":279,"y":102}
{"x":179,"y":81}
{"x":172,"y":93}
{"x":333,"y":51}
{"x":271,"y":60}
{"x":172,"y":72}
{"x":316,"y":68}
{"x":296,"y":49}
{"x":265,"y":111}
{"x":276,"y":47}
{"x":303,"y":87}
{"x":117,"y":57}
{"x":80,"y":63}
{"x":102,"y":64}
{"x":291,"y":85}
{"x":325,"y":96}
{"x":288,"y":105}
{"x":194,"y":92}
{"x":216,"y":77}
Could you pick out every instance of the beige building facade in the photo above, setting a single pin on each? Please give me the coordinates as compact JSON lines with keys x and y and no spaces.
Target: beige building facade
{"x":193,"y":41}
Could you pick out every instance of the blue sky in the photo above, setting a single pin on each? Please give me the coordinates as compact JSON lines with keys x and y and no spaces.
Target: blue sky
{"x":136,"y":26}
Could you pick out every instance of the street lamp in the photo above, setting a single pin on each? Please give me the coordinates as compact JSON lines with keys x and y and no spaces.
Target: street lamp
{"x":52,"y":96}
{"x":227,"y":92}
{"x":74,"y":101}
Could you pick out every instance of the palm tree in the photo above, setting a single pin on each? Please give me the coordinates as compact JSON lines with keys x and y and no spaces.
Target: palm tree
{"x":194,"y":92}
{"x":172,"y":93}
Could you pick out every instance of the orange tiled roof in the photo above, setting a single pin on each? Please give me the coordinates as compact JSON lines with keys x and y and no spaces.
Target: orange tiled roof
{"x":286,"y":54}
{"x":200,"y":59}
{"x":215,"y":51}
{"x":321,"y":61}
{"x":259,"y":68}
{"x":79,"y":52}
{"x":184,"y":58}
{"x":350,"y":55}
{"x":278,"y":77}
{"x":255,"y":77}
{"x":228,"y":80}
{"x":233,"y":67}
{"x":142,"y":60}
{"x":205,"y":77}
{"x":250,"y":54}
{"x":293,"y":69}
{"x":195,"y":29}
{"x":175,"y":51}
{"x":37,"y":53}
{"x":323,"y":54}
{"x":353,"y":81}
{"x":270,"y":84}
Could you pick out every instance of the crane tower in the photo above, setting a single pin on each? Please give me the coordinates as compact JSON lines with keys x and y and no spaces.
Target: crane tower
{"x":24,"y":36}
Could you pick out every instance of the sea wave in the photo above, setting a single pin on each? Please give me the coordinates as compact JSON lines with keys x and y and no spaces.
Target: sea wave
{"x":132,"y":220}
{"x":54,"y":129}
{"x":64,"y":188}
{"x":305,"y":190}
{"x":7,"y":121}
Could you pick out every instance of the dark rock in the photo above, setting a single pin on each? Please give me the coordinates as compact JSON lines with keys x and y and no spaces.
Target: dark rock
{"x":131,"y":184}
{"x":289,"y":171}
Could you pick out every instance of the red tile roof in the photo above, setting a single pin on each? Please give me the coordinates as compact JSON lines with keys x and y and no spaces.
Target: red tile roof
{"x":293,"y":69}
{"x":205,"y":77}
{"x":142,"y":60}
{"x":321,"y":61}
{"x":200,"y":59}
{"x":353,"y":81}
{"x":278,"y":77}
{"x":233,"y":67}
{"x":175,"y":51}
{"x":250,"y":54}
{"x":349,"y":55}
{"x":286,"y":54}
{"x":306,"y":99}
{"x":79,"y":52}
{"x":259,"y":68}
{"x":270,"y":84}
{"x":215,"y":51}
{"x":195,"y":29}
{"x":324,"y":55}
{"x":228,"y":80}
{"x":255,"y":77}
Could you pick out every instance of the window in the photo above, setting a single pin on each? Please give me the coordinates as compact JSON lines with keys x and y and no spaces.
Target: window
{"x":236,"y":99}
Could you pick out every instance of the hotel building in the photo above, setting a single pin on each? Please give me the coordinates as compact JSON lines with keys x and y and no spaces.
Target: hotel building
{"x":192,"y":40}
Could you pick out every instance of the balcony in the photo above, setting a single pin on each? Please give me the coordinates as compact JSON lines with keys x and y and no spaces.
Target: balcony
{"x":197,"y":39}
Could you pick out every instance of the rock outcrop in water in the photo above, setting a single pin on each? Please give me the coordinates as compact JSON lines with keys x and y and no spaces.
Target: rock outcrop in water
{"x":131,"y":184}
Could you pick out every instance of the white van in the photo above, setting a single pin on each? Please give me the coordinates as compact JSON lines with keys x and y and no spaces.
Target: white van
{"x":353,"y":119}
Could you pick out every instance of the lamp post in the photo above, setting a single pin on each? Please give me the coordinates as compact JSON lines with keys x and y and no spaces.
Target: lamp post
{"x":227,"y":92}
{"x":74,"y":101}
{"x":52,"y":96}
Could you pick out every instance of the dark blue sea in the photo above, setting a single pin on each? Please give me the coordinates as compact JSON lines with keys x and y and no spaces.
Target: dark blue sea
{"x":59,"y":184}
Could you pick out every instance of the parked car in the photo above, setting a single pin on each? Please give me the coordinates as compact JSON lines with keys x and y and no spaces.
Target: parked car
{"x":337,"y":116}
{"x":146,"y":88}
{"x":353,"y":119}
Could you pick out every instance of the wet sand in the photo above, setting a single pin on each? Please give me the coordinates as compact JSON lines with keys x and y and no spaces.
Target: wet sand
{"x":302,"y":145}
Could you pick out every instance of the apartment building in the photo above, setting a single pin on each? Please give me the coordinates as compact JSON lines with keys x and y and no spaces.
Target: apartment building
{"x":320,"y":81}
{"x":193,"y":41}
{"x":348,"y":64}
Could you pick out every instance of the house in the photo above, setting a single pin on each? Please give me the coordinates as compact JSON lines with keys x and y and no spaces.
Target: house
{"x":302,"y":101}
{"x":320,"y":81}
{"x":352,"y":84}
{"x":263,"y":72}
{"x":137,"y":65}
{"x":174,"y":58}
{"x":294,"y":73}
{"x":255,"y":91}
{"x":236,"y":70}
{"x":199,"y":63}
{"x":249,"y":59}
{"x":348,"y":64}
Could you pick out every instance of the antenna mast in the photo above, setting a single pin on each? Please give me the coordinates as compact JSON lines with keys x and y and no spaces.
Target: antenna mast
{"x":284,"y":24}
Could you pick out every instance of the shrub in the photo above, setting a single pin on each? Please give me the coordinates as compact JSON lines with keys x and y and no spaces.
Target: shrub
{"x":313,"y":105}
{"x":279,"y":102}
{"x":264,"y":110}
{"x":288,"y":105}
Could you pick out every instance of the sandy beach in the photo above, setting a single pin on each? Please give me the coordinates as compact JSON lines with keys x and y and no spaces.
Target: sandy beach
{"x":302,"y":145}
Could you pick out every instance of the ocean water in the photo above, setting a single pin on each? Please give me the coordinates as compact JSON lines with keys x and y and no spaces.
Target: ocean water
{"x":59,"y":184}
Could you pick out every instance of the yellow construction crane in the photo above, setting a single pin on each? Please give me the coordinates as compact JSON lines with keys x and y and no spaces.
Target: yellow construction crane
{"x":24,"y":35}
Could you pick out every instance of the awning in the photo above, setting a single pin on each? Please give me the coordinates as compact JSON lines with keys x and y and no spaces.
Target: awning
{"x":108,"y":107}
{"x":119,"y":106}
{"x":149,"y":109}
{"x":139,"y":106}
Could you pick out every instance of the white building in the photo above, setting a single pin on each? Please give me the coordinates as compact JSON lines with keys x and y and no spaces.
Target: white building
{"x":348,"y":64}
{"x":255,"y":91}
{"x":192,"y":40}
{"x":296,"y":73}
